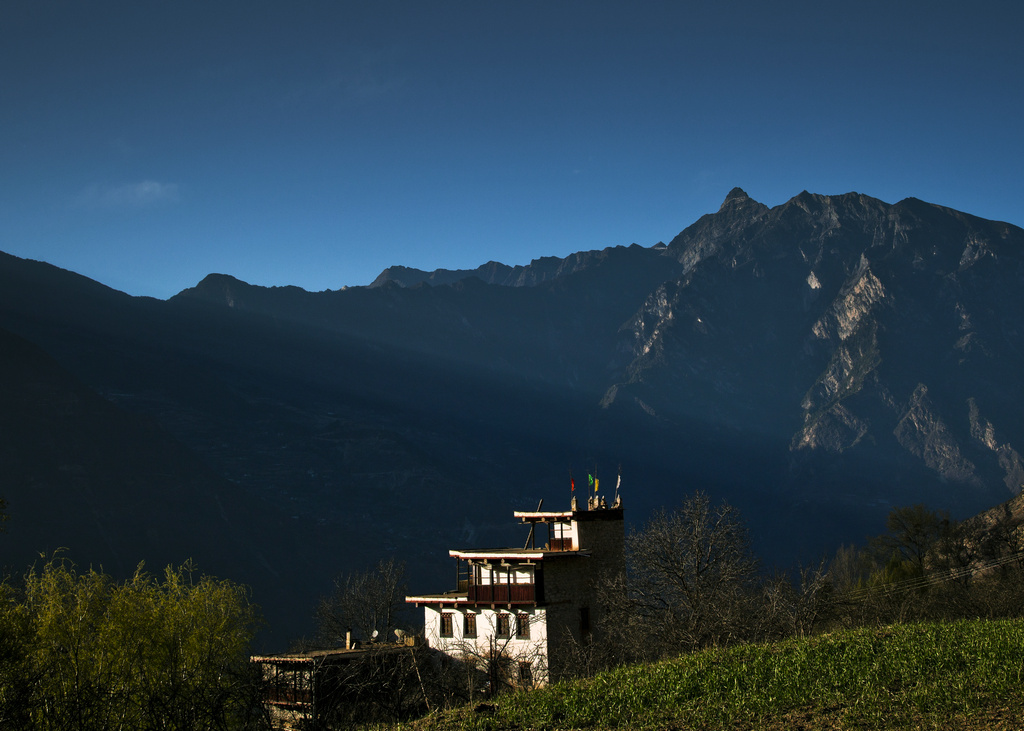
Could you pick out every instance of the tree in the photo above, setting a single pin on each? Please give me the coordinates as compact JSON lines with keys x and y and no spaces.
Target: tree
{"x":690,"y":575}
{"x":169,"y":654}
{"x":17,"y":678}
{"x":796,"y":606}
{"x":385,"y":682}
{"x":363,"y":602}
{"x":914,"y":530}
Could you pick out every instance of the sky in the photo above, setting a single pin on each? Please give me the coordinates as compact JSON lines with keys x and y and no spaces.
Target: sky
{"x":147,"y":144}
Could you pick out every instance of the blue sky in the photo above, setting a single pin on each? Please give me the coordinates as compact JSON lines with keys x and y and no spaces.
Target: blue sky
{"x":147,"y":144}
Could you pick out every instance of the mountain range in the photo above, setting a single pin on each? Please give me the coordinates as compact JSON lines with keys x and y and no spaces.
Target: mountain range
{"x":814,"y":363}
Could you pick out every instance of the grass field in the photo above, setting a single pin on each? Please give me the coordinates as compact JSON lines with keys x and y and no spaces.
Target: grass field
{"x":965,"y":674}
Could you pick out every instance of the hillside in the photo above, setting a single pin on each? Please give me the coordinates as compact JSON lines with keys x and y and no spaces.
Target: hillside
{"x":814,"y":363}
{"x":939,"y":676}
{"x":108,"y":488}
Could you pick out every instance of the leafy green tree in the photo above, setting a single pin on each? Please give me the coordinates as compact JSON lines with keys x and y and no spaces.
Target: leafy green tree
{"x":168,"y":653}
{"x":16,"y":675}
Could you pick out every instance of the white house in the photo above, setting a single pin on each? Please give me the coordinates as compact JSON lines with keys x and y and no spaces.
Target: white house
{"x":523,"y":605}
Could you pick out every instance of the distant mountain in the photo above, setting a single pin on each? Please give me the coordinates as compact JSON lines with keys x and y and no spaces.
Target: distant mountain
{"x":541,"y":270}
{"x":814,"y":363}
{"x":559,"y":330}
{"x":491,"y":273}
{"x":862,"y":332}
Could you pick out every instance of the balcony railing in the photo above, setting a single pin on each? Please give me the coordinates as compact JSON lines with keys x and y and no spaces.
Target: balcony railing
{"x":285,"y":696}
{"x":503,"y":593}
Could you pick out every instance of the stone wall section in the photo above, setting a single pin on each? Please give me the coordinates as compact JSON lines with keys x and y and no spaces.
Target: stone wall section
{"x":571,"y":584}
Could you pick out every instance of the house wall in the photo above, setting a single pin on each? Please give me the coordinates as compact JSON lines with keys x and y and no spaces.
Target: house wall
{"x":571,"y":586}
{"x":534,"y":649}
{"x":603,"y":533}
{"x":568,"y":588}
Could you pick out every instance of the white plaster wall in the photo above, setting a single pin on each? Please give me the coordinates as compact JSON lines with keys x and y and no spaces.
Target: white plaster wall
{"x":534,"y":649}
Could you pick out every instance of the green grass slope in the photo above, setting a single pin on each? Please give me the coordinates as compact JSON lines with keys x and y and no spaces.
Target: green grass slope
{"x":965,"y":674}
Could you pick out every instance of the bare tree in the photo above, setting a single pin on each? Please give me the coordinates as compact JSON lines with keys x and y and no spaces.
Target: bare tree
{"x":795,"y":605}
{"x":691,"y":574}
{"x":363,"y":602}
{"x":850,"y":568}
{"x":382,"y":684}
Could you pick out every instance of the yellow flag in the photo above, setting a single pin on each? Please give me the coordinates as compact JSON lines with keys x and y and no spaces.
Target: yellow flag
{"x":596,"y":483}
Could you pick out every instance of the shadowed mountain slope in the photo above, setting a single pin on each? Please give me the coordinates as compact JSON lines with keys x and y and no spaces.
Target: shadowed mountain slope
{"x":105,"y":487}
{"x":813,"y":363}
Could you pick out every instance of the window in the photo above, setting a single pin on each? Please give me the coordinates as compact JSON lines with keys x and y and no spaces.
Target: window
{"x":504,"y":625}
{"x":446,"y":624}
{"x":469,"y":630}
{"x":523,"y":626}
{"x":525,"y":673}
{"x":584,"y":622}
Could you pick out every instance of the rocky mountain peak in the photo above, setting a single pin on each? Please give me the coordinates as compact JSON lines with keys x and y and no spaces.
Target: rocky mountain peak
{"x":219,"y":288}
{"x":736,"y":195}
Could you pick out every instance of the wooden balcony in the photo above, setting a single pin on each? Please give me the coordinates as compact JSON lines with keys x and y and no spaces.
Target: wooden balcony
{"x":503,"y":593}
{"x":286,"y":696}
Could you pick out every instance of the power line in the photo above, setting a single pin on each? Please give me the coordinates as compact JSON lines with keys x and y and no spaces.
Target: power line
{"x":921,"y":582}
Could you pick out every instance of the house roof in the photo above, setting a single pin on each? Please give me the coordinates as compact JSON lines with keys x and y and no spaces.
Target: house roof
{"x":565,"y":516}
{"x":535,"y":516}
{"x":519,"y":554}
{"x":448,"y":597}
{"x":312,"y":656}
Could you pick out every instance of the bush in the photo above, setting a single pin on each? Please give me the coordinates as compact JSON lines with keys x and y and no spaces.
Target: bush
{"x":82,"y":651}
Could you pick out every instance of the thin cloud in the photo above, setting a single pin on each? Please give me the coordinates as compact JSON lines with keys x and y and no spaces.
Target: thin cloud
{"x":144,"y":194}
{"x":351,"y":76}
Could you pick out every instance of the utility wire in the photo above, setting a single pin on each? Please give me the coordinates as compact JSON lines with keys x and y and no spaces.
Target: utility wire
{"x":921,"y":582}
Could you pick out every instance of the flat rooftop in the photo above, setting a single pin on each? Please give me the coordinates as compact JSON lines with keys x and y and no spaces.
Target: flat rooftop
{"x":522,"y":554}
{"x":448,"y":596}
{"x":565,"y":516}
{"x":312,"y":655}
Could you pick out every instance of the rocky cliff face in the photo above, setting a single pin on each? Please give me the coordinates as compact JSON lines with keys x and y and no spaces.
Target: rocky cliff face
{"x":846,"y":324}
